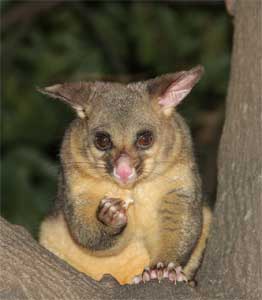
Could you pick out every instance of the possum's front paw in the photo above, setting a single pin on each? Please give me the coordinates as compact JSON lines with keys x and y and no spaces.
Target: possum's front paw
{"x":112,"y":212}
{"x":161,"y":271}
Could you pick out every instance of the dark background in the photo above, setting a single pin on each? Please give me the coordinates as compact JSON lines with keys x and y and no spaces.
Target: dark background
{"x":50,"y":42}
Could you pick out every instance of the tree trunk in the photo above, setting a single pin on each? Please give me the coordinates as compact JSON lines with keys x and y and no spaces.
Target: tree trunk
{"x":233,"y":259}
{"x":232,"y":266}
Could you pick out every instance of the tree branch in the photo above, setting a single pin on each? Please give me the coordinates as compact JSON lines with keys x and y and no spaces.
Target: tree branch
{"x":29,"y":271}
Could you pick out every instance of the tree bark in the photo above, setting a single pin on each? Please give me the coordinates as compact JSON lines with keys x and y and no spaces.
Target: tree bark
{"x":29,"y":271}
{"x":234,"y":251}
{"x":232,"y":266}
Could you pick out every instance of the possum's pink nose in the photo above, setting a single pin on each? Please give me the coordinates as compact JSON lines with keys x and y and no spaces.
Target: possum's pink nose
{"x":124,"y":170}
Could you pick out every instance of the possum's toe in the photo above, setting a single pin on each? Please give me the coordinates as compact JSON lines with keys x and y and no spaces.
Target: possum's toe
{"x":161,"y":271}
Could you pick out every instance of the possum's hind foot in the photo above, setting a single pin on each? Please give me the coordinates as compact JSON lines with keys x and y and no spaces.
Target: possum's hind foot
{"x":161,"y":271}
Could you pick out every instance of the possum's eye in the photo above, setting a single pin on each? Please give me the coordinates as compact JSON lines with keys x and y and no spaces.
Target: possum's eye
{"x":144,"y":139}
{"x":103,"y":141}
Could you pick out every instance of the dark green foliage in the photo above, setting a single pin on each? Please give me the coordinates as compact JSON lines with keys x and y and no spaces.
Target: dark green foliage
{"x":87,"y":41}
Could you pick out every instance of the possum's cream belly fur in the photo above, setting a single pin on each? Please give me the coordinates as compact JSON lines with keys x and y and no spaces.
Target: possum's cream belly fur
{"x":130,"y":262}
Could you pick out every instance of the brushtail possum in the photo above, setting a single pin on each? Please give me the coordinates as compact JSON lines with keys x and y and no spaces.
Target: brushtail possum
{"x":129,"y":197}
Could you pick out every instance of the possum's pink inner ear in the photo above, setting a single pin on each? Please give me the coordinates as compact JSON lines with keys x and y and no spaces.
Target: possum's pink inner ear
{"x":169,"y":90}
{"x":74,"y":94}
{"x":177,"y":91}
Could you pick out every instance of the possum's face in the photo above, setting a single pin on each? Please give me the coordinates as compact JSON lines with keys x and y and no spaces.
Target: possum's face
{"x":129,"y":132}
{"x":126,"y":137}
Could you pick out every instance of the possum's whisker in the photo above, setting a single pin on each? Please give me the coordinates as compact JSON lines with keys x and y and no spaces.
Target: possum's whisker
{"x":164,"y":161}
{"x":87,"y":165}
{"x":164,"y":177}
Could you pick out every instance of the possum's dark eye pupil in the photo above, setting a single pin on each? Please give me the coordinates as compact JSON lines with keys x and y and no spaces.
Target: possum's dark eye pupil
{"x":144,"y":139}
{"x":103,"y":141}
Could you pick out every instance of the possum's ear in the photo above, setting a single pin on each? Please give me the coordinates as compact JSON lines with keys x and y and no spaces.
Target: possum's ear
{"x":75,"y":94}
{"x":170,"y":89}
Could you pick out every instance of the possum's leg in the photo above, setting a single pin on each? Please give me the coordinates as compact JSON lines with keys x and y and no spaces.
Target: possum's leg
{"x":180,"y":217}
{"x":180,"y":223}
{"x":197,"y":255}
{"x":97,"y":224}
{"x":174,"y":272}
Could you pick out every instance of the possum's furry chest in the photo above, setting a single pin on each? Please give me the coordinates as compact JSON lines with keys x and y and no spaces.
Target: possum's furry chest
{"x":123,"y":266}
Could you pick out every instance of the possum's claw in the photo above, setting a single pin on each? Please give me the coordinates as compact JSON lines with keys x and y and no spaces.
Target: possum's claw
{"x":128,"y":201}
{"x":161,"y":271}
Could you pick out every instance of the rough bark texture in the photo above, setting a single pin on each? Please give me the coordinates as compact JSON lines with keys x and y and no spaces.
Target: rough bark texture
{"x":28,"y":271}
{"x":233,"y":259}
{"x":232,"y":266}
